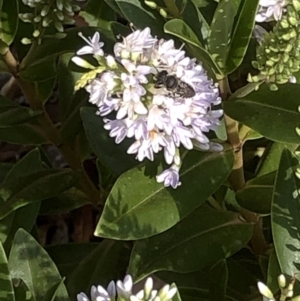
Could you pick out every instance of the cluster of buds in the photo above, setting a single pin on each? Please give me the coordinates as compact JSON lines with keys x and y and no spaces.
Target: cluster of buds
{"x":56,"y":12}
{"x":122,"y":291}
{"x":278,"y":53}
{"x":286,"y":290}
{"x":153,"y":94}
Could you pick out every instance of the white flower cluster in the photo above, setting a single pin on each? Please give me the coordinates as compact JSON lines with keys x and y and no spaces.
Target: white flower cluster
{"x":122,"y":290}
{"x":162,"y":99}
{"x":270,"y":10}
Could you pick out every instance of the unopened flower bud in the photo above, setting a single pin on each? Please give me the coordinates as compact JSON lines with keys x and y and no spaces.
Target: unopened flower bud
{"x":36,"y":33}
{"x":281,"y":281}
{"x":264,"y":290}
{"x":163,"y":13}
{"x":45,"y":10}
{"x":26,"y":41}
{"x":151,"y":4}
{"x":60,"y":4}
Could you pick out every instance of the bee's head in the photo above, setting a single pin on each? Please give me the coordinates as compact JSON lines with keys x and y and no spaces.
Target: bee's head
{"x":161,"y":76}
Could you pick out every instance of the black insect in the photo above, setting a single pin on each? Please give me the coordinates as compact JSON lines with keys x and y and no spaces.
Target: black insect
{"x":174,"y":85}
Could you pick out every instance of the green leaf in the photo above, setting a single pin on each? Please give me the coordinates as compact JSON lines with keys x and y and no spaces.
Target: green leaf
{"x":113,"y":4}
{"x":142,"y":16}
{"x":64,"y":203}
{"x":7,"y":291}
{"x":101,"y":266}
{"x":8,"y":20}
{"x":241,"y":34}
{"x":218,"y":277}
{"x":40,"y":72}
{"x":203,"y":238}
{"x":138,"y":210}
{"x":181,"y":30}
{"x":66,"y":80}
{"x":220,"y":31}
{"x":271,"y":157}
{"x":45,"y":88}
{"x":256,"y":196}
{"x":53,"y":291}
{"x":24,"y":217}
{"x":22,"y":292}
{"x":194,"y":19}
{"x":112,"y":155}
{"x":67,"y":256}
{"x":73,"y":123}
{"x":119,"y":29}
{"x":13,"y":114}
{"x":98,"y":14}
{"x":4,"y":169}
{"x":25,"y":134}
{"x":265,"y":112}
{"x":273,"y":272}
{"x":31,"y":263}
{"x":285,"y":217}
{"x":34,"y":187}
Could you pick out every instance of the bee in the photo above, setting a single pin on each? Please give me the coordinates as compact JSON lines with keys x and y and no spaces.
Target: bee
{"x":173,"y":85}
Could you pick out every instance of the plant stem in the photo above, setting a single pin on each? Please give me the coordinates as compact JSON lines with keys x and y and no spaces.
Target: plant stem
{"x":50,"y":132}
{"x":236,"y":178}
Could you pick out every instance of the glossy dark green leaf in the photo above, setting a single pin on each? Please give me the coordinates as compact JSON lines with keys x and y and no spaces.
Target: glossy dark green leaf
{"x":4,"y":169}
{"x":142,"y":16}
{"x":103,"y":264}
{"x":31,"y":263}
{"x":22,"y":293}
{"x":181,"y":30}
{"x":6,"y":291}
{"x":136,"y":206}
{"x":267,"y":113}
{"x":67,"y":256}
{"x":194,"y":286}
{"x":285,"y":217}
{"x":239,"y":287}
{"x":119,"y":29}
{"x":24,"y":217}
{"x":113,"y":4}
{"x":203,"y":238}
{"x":34,"y":187}
{"x":218,"y":277}
{"x":194,"y":19}
{"x":66,"y":80}
{"x":45,"y":89}
{"x":53,"y":291}
{"x":98,"y":14}
{"x":22,"y":134}
{"x":271,"y":157}
{"x":273,"y":272}
{"x":220,"y":31}
{"x":64,"y":203}
{"x":241,"y":35}
{"x":8,"y":20}
{"x":112,"y":155}
{"x":13,"y":114}
{"x":52,"y":48}
{"x":40,"y":72}
{"x":257,"y":195}
{"x":73,"y":123}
